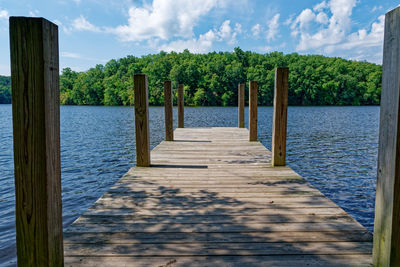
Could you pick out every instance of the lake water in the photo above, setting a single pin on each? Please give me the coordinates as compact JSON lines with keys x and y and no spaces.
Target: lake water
{"x":334,"y":148}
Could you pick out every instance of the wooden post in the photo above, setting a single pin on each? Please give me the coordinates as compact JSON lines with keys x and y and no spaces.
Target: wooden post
{"x":142,"y":120}
{"x":280,"y":117}
{"x":180,"y":106}
{"x":241,"y":105}
{"x":169,"y":128}
{"x":386,"y":250}
{"x":253,"y":88}
{"x":36,"y":130}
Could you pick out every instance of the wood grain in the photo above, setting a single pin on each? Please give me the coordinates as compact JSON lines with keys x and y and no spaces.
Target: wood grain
{"x":212,"y":195}
{"x":280,"y":117}
{"x":253,"y":98}
{"x":387,"y":206}
{"x":142,"y":120}
{"x":36,"y":130}
{"x":181,"y":114}
{"x":169,"y":127}
{"x":232,"y":261}
{"x":241,"y":105}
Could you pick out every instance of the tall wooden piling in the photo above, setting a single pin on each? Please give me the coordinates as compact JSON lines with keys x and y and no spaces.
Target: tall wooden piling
{"x":253,"y":91}
{"x":386,"y":250}
{"x":142,"y":120}
{"x":36,"y":130}
{"x":169,"y":128}
{"x":280,"y":117}
{"x":241,"y":105}
{"x":181,"y":102}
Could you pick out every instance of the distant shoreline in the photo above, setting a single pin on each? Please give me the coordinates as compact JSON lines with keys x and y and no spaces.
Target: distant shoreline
{"x":216,"y":106}
{"x":212,"y":79}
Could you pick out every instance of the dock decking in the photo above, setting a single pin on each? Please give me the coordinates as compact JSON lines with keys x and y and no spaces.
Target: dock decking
{"x":211,"y":198}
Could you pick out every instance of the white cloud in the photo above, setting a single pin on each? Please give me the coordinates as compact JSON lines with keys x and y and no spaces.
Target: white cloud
{"x":225,"y":31}
{"x":4,"y":14}
{"x":34,"y":13}
{"x":322,"y":18}
{"x":305,"y":17}
{"x":320,"y":6}
{"x":289,"y":20}
{"x":238,"y":28}
{"x":81,"y":24}
{"x":364,"y":39}
{"x":204,"y":43}
{"x":70,"y":55}
{"x":164,"y":19}
{"x":273,"y":26}
{"x":264,"y":49}
{"x":375,"y":8}
{"x":201,"y":45}
{"x":73,"y":55}
{"x":327,"y":29}
{"x":337,"y":26}
{"x":255,"y":30}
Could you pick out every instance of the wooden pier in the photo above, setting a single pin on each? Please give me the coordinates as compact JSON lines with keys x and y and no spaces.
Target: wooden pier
{"x":211,"y":198}
{"x":203,"y":197}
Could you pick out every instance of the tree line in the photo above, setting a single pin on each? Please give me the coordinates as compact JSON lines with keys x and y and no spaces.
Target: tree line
{"x":5,"y":90}
{"x":212,"y":79}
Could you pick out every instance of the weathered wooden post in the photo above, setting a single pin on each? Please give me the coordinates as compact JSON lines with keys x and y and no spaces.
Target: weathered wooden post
{"x":142,"y":120}
{"x":169,"y":128}
{"x":386,"y":250}
{"x":36,"y":130}
{"x":241,"y":105}
{"x":180,"y":106}
{"x":280,"y":117}
{"x":253,"y":88}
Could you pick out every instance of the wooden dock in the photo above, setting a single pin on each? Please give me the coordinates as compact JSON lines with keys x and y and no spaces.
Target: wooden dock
{"x":211,"y":198}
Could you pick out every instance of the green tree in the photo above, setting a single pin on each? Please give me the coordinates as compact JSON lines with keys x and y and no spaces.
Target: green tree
{"x":212,"y":79}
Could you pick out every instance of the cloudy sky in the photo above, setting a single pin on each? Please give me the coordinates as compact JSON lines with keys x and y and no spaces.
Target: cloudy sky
{"x":95,"y":31}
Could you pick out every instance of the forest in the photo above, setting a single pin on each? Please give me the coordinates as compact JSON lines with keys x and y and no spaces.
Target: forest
{"x":212,"y":79}
{"x":5,"y":90}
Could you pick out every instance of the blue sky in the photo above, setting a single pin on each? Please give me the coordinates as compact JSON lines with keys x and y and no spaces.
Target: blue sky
{"x":95,"y":31}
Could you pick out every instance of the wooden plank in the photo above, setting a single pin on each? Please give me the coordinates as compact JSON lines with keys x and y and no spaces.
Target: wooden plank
{"x":202,"y":219}
{"x":169,"y":128}
{"x":241,"y":105}
{"x":142,"y":120}
{"x":201,"y":249}
{"x":36,"y":130}
{"x":181,"y":114}
{"x":196,"y":195}
{"x":253,"y":98}
{"x":387,"y":205}
{"x":213,"y":228}
{"x":211,"y":178}
{"x":278,"y":211}
{"x":264,"y":201}
{"x":219,"y":191}
{"x":209,"y":196}
{"x":234,"y":261}
{"x":204,"y":187}
{"x":183,"y":238}
{"x":280,"y":117}
{"x":203,"y":205}
{"x":223,"y":192}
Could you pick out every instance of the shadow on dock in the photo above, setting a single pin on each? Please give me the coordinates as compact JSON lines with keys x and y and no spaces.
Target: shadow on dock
{"x":175,"y":220}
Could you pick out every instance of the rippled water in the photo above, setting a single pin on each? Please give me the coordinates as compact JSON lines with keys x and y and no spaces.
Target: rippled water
{"x":335,"y":148}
